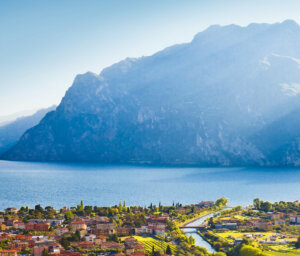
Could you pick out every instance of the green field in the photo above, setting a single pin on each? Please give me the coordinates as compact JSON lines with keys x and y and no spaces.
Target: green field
{"x":283,"y":250}
{"x":292,"y":252}
{"x":273,"y":250}
{"x":237,"y":234}
{"x":149,"y":242}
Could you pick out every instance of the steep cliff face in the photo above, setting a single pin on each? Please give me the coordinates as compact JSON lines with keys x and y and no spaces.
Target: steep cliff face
{"x":205,"y":102}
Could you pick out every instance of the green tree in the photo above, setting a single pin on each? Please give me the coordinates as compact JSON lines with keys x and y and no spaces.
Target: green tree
{"x":297,"y":244}
{"x":266,"y":206}
{"x":248,"y":250}
{"x":80,"y":208}
{"x":191,"y":240}
{"x":38,"y":208}
{"x":211,"y":222}
{"x":45,"y":252}
{"x":69,"y":215}
{"x":75,"y":237}
{"x":168,"y":250}
{"x":256,"y":203}
{"x":77,"y":234}
{"x":65,"y":243}
{"x":217,"y":246}
{"x":114,"y":238}
{"x":221,"y":202}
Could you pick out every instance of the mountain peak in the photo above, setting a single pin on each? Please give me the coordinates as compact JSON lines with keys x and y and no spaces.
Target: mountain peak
{"x":86,"y":76}
{"x":287,"y":25}
{"x":290,"y":22}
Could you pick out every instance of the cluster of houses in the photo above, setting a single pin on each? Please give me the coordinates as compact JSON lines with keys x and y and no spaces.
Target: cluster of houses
{"x":265,"y":223}
{"x":273,"y":239}
{"x":102,"y":226}
{"x":195,"y":208}
{"x":261,"y":222}
{"x":95,"y":234}
{"x":258,"y":223}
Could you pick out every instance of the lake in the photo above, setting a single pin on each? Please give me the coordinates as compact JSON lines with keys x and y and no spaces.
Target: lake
{"x":25,"y":183}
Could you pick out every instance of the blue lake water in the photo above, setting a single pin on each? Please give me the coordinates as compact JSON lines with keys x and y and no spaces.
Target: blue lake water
{"x":66,"y":184}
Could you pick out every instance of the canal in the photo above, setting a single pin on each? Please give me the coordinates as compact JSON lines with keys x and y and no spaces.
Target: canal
{"x":193,"y":232}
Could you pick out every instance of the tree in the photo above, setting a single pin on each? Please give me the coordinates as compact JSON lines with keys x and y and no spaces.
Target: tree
{"x":191,"y":240}
{"x":217,"y":246}
{"x":266,"y":206}
{"x":211,"y":222}
{"x":114,"y":238}
{"x":65,"y":243}
{"x":168,"y":250}
{"x":256,"y":203}
{"x":38,"y":208}
{"x":248,"y":250}
{"x":80,"y":207}
{"x":48,"y":208}
{"x":69,"y":215}
{"x":75,"y":237}
{"x":297,"y":244}
{"x":45,"y":252}
{"x":77,"y":234}
{"x":221,"y":202}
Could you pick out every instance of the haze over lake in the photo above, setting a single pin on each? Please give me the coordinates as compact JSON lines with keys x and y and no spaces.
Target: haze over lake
{"x":58,"y":185}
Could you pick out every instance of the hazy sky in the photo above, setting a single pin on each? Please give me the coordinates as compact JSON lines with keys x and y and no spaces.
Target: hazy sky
{"x":44,"y":44}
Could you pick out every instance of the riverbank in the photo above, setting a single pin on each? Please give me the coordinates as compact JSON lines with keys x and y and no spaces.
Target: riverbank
{"x":199,"y":240}
{"x":203,"y":214}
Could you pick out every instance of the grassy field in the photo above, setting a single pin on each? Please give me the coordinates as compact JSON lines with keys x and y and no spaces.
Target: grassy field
{"x":237,"y":234}
{"x":286,"y":253}
{"x":283,"y":250}
{"x":273,"y":250}
{"x":236,"y":217}
{"x":149,"y":242}
{"x":239,"y":217}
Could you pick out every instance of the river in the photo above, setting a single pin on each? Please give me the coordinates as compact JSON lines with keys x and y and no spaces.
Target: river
{"x":193,"y":232}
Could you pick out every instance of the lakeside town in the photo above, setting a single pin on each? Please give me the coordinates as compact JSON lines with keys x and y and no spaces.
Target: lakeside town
{"x":260,"y":229}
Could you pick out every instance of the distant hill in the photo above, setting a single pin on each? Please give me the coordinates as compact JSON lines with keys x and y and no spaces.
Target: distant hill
{"x":6,"y":119}
{"x":220,"y":100}
{"x":11,"y":132}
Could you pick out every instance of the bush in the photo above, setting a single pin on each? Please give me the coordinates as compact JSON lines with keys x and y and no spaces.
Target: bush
{"x":248,"y":250}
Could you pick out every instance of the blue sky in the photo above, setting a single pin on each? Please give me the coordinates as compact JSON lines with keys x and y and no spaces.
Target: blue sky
{"x":44,"y":44}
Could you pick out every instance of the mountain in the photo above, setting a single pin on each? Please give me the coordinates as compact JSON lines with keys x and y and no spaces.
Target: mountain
{"x":280,"y":140}
{"x":6,"y":119}
{"x":11,"y":132}
{"x":201,"y":103}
